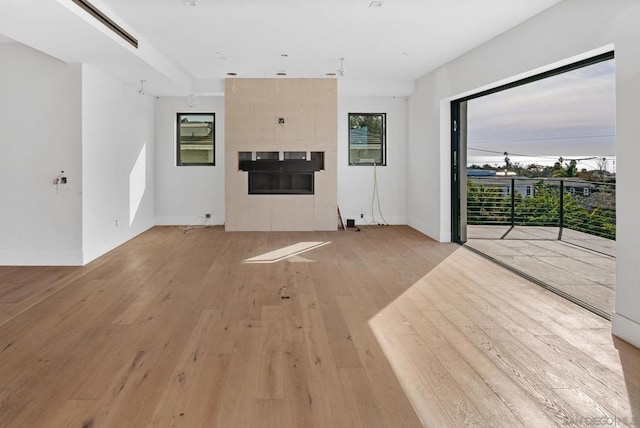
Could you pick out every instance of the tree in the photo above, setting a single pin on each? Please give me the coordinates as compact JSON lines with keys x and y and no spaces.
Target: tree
{"x":488,"y":205}
{"x":535,"y":169}
{"x":507,"y":161}
{"x":569,"y":170}
{"x":602,"y":166}
{"x":373,"y":123}
{"x":572,"y":168}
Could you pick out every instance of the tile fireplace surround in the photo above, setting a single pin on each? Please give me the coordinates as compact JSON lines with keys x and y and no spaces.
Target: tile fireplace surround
{"x":275,"y":130}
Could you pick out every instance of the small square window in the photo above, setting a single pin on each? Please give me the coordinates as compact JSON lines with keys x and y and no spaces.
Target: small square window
{"x":196,"y":139}
{"x":367,"y":139}
{"x":267,"y":155}
{"x":244,"y":156}
{"x":318,"y":157}
{"x":295,"y":155}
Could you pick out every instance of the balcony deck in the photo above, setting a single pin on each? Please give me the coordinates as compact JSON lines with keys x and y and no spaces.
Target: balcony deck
{"x":581,"y":265}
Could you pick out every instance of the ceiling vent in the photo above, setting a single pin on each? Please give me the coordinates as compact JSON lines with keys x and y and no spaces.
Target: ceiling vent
{"x":107,"y":22}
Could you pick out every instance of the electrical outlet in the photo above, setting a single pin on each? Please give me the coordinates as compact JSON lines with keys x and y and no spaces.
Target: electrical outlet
{"x":207,"y":215}
{"x":361,"y":215}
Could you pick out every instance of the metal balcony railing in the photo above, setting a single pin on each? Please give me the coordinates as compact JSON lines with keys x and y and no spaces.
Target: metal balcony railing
{"x":572,"y":203}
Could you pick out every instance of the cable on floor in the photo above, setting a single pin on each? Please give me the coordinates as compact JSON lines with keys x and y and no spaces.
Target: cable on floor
{"x":376,"y":196}
{"x":186,"y":229}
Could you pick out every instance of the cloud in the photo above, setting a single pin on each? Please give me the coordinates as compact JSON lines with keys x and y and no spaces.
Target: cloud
{"x":573,"y":112}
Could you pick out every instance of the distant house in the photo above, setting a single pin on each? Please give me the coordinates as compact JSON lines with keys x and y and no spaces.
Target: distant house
{"x":525,"y":186}
{"x":365,"y":146}
{"x":195,"y":130}
{"x":579,"y":187}
{"x":490,"y":178}
{"x":481,"y":173}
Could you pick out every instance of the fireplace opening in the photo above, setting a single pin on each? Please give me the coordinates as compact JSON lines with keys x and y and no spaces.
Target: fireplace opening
{"x":280,"y":183}
{"x":272,"y":174}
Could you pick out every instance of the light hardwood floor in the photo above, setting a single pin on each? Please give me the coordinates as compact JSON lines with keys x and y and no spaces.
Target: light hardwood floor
{"x":381,"y":328}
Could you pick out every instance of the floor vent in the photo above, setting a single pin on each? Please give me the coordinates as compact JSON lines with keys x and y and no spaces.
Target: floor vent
{"x":105,"y":20}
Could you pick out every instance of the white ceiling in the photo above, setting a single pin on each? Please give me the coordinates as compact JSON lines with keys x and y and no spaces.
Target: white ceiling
{"x":4,"y":39}
{"x":190,"y":49}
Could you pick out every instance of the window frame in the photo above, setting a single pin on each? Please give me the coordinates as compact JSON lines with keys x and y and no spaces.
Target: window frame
{"x":458,"y":123}
{"x":383,"y":140}
{"x":178,"y":138}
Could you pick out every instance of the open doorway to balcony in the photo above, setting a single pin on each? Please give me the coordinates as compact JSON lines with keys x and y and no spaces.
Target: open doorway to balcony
{"x":533,"y":183}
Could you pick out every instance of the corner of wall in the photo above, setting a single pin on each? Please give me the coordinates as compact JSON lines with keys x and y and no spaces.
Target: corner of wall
{"x":118,"y":162}
{"x":424,"y":228}
{"x":173,"y":205}
{"x":626,"y":329}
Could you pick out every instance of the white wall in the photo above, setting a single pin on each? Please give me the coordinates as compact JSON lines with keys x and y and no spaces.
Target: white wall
{"x":174,"y":206}
{"x":117,"y":162}
{"x":569,"y":29}
{"x":426,"y":190}
{"x":40,"y":135}
{"x":184,"y":194}
{"x":355,"y":183}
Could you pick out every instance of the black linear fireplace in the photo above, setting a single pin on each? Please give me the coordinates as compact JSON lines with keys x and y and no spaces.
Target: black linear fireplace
{"x":280,"y":183}
{"x":293,"y":175}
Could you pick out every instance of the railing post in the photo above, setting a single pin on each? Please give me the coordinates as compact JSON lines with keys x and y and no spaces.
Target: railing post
{"x":513,"y":201}
{"x":561,"y":209}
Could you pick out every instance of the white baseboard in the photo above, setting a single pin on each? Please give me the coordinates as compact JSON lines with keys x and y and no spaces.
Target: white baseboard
{"x":431,"y":232}
{"x":187,"y":221}
{"x":394,"y":220}
{"x":626,"y":329}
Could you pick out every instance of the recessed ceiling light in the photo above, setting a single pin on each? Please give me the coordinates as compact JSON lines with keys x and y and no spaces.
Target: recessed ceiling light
{"x":405,"y":53}
{"x":231,"y":73}
{"x":190,"y":3}
{"x":284,"y":55}
{"x":376,"y":3}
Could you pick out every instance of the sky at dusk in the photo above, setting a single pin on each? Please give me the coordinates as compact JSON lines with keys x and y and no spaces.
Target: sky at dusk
{"x":570,"y":115}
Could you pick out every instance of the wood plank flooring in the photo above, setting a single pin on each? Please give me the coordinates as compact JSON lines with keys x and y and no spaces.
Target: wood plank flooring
{"x":379,"y":328}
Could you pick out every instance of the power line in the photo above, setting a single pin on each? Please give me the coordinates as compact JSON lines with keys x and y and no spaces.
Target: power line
{"x":547,"y":139}
{"x":505,"y":153}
